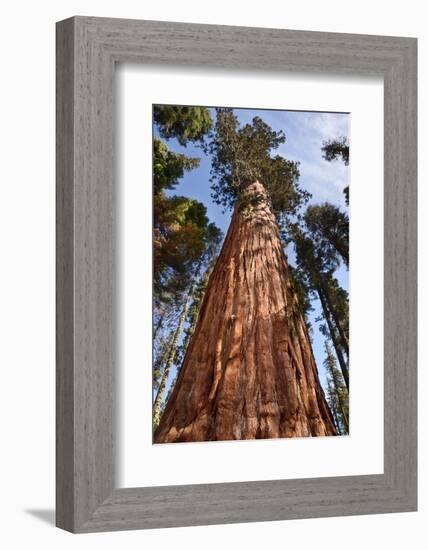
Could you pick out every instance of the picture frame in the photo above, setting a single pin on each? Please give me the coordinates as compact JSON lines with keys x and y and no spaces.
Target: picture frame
{"x":87,"y":51}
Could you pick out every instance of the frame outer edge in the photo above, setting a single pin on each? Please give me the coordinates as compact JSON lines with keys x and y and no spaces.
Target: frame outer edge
{"x":86,"y":498}
{"x":405,"y":276}
{"x":94,"y":275}
{"x":400,"y":253}
{"x":65,"y":57}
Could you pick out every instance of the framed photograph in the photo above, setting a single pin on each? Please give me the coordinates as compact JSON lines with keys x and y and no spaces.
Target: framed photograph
{"x":236,"y":274}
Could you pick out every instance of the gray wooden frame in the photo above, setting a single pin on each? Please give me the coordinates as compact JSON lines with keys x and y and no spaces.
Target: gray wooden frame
{"x":87,"y":50}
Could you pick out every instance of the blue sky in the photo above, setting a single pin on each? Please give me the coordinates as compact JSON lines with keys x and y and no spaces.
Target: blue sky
{"x":305,"y":133}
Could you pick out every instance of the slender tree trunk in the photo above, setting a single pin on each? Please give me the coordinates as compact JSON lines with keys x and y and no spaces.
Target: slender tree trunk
{"x":331,"y":329}
{"x":343,"y":252}
{"x":157,"y":327}
{"x":340,"y":247}
{"x":249,"y":370}
{"x":340,"y":330}
{"x":161,"y":359}
{"x":170,"y":361}
{"x":204,"y":281}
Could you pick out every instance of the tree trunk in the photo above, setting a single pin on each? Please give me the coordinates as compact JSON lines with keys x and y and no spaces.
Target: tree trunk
{"x":204,"y":280}
{"x":161,"y":358}
{"x":171,"y":356}
{"x":249,"y":370}
{"x":157,"y":327}
{"x":342,"y":334}
{"x":339,"y":245}
{"x":339,"y":354}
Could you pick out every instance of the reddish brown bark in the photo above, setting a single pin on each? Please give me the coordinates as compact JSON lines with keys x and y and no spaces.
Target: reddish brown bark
{"x":249,"y":370}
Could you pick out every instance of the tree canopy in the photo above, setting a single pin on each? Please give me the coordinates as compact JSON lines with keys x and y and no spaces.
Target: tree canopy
{"x":169,"y":167}
{"x":335,"y":149}
{"x":183,"y":123}
{"x":241,"y":155}
{"x":329,"y":227}
{"x":179,"y":233}
{"x":181,"y":228}
{"x":316,"y":266}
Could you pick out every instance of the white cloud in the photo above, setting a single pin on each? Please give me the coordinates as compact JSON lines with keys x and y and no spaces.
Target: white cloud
{"x":306,"y":132}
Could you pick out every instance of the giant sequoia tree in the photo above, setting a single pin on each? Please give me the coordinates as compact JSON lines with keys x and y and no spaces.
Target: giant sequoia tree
{"x":249,"y":370}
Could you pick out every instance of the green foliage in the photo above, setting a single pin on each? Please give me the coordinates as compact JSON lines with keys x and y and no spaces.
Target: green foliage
{"x":180,"y":233}
{"x":329,"y":228}
{"x":315,"y":268}
{"x":346,"y":193}
{"x":312,"y":259}
{"x":192,"y":316}
{"x":303,"y":293}
{"x":321,"y":242}
{"x":169,"y":167}
{"x":181,"y":228}
{"x":186,"y":244}
{"x":183,"y":238}
{"x":183,"y":123}
{"x":339,"y":302}
{"x":337,"y":394}
{"x":160,"y":358}
{"x":335,"y":149}
{"x":242,"y":155}
{"x":214,"y":238}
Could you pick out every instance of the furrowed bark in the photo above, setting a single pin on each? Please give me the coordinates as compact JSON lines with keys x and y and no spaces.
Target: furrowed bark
{"x":249,"y":370}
